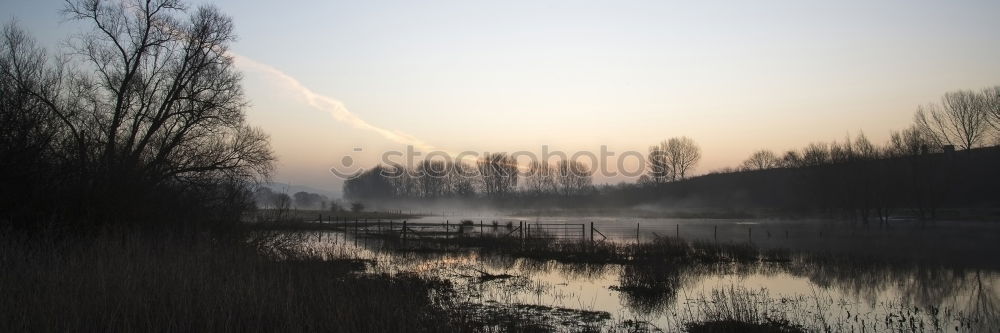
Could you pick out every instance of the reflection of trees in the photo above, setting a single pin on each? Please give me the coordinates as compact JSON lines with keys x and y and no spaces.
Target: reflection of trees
{"x":920,"y":285}
{"x":984,"y":299}
{"x":929,"y":286}
{"x":650,"y":288}
{"x":648,"y":285}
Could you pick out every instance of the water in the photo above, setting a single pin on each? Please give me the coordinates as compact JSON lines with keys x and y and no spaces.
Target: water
{"x":908,"y":294}
{"x":967,"y":243}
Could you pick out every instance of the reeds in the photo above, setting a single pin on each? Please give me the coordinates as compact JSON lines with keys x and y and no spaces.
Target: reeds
{"x":737,"y":309}
{"x":121,"y":281}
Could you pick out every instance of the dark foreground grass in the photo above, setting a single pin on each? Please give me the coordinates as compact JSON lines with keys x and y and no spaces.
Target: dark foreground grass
{"x":737,"y":309}
{"x":120,"y":282}
{"x":726,"y":326}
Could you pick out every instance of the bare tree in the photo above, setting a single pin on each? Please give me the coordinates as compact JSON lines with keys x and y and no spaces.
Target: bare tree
{"x":863,"y":148}
{"x":681,"y":154}
{"x":840,"y":153}
{"x":541,"y":178}
{"x":148,"y":99}
{"x":282,"y":204}
{"x":791,"y":159}
{"x":498,"y":174}
{"x":162,"y":99}
{"x":659,"y":168}
{"x":28,"y":129}
{"x":461,"y":179}
{"x":908,"y":142}
{"x":572,"y":177}
{"x":817,"y":153}
{"x":431,"y":178}
{"x":961,"y":120}
{"x":991,"y":102}
{"x":761,"y":160}
{"x":402,"y":181}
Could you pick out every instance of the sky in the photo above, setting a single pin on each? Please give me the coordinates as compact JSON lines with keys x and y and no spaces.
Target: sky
{"x":328,"y":78}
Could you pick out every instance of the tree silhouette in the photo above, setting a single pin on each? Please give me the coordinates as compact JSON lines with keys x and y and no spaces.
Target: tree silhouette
{"x":541,"y":178}
{"x":961,"y":120}
{"x":659,"y":167}
{"x":148,"y":102}
{"x":572,"y":177}
{"x":498,"y":174}
{"x":682,"y":154}
{"x":761,"y":160}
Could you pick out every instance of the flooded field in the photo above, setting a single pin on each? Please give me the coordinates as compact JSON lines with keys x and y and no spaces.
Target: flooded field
{"x":835,"y":277}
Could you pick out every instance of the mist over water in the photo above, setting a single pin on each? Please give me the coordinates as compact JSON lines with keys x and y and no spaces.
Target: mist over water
{"x":829,"y":283}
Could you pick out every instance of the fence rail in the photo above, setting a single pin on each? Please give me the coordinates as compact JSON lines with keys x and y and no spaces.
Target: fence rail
{"x":758,"y":233}
{"x":467,"y":228}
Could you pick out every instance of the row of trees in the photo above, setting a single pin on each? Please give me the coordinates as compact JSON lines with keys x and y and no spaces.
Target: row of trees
{"x":566,"y":177}
{"x":815,"y":154}
{"x":915,"y":169}
{"x":266,"y":198}
{"x":965,"y":119}
{"x":495,"y":175}
{"x":498,"y":175}
{"x":146,"y":108}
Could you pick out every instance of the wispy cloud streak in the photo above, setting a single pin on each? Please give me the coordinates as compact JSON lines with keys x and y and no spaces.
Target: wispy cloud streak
{"x":330,"y":105}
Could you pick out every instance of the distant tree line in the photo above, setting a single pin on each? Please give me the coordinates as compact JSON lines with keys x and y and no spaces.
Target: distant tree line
{"x":498,"y":177}
{"x":140,"y":122}
{"x":915,"y":169}
{"x":266,"y":198}
{"x":964,"y":120}
{"x":946,"y":159}
{"x":494,"y":175}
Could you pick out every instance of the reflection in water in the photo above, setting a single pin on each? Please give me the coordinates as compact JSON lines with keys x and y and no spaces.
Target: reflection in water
{"x":650,"y":289}
{"x":817,"y":292}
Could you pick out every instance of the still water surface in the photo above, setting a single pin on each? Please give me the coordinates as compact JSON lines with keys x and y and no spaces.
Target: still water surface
{"x":920,"y":277}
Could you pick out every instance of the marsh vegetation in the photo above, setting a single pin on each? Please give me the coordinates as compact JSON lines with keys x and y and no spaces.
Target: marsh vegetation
{"x":670,"y":284}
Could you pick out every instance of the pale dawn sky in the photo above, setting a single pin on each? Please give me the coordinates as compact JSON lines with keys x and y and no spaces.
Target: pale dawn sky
{"x":575,"y":75}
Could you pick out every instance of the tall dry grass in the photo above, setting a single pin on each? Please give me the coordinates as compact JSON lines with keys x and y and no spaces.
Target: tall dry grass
{"x":124,"y":282}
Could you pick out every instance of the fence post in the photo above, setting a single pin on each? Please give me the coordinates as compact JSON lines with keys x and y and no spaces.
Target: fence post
{"x":520,"y":228}
{"x":677,"y":233}
{"x":750,"y":234}
{"x":591,"y":232}
{"x":715,"y":233}
{"x":480,"y":228}
{"x":637,"y":233}
{"x":404,"y":230}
